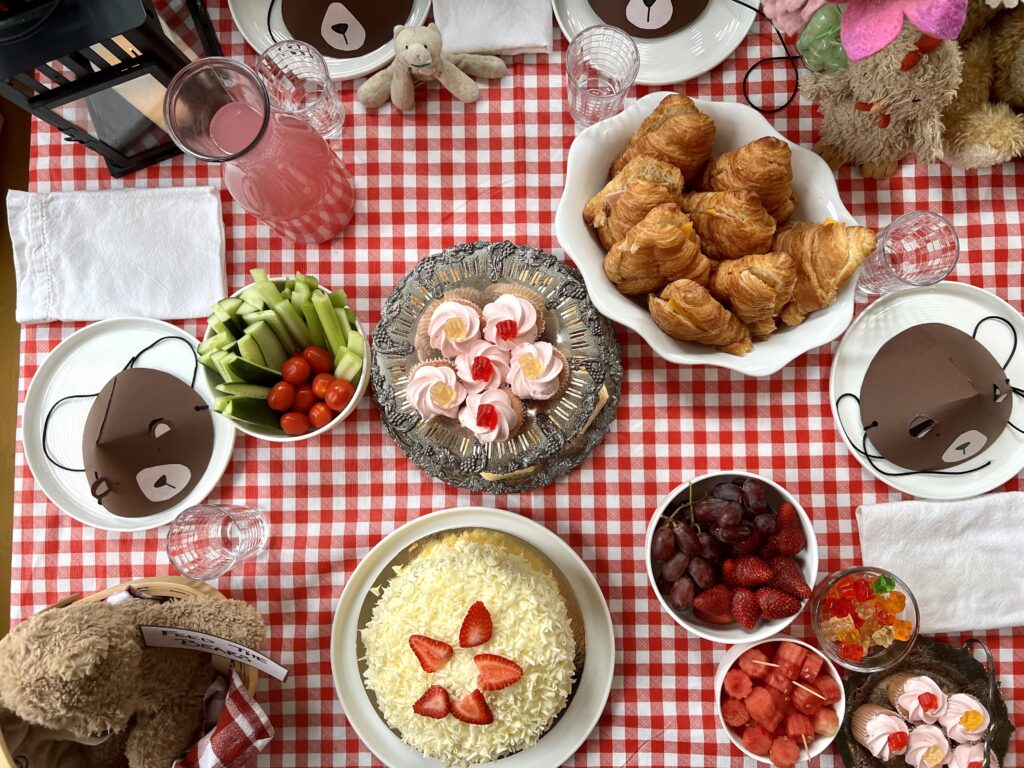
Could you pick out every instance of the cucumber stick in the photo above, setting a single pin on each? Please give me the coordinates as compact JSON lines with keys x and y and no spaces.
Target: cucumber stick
{"x":333,"y":331}
{"x":252,"y":297}
{"x":339,"y":299}
{"x":217,"y":341}
{"x":270,"y":317}
{"x":343,"y":322}
{"x":357,"y":344}
{"x":351,"y":315}
{"x":270,"y":345}
{"x":250,"y":350}
{"x":251,"y":410}
{"x":244,"y":390}
{"x":295,"y":325}
{"x":316,"y":328}
{"x":349,"y":366}
{"x":241,"y":370}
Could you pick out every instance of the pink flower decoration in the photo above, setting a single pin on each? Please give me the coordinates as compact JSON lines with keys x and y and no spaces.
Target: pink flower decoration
{"x":870,"y":25}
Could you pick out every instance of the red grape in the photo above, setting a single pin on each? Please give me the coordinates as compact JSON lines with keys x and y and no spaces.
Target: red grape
{"x":663,"y":545}
{"x":765,"y":523}
{"x":754,"y":497}
{"x":728,"y":492}
{"x":717,"y":511}
{"x":702,"y":573}
{"x":732,"y":534}
{"x":686,"y":540}
{"x":681,"y":595}
{"x":709,"y":548}
{"x":676,"y":567}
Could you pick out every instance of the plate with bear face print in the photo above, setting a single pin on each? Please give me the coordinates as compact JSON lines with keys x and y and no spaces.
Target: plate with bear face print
{"x":355,"y":36}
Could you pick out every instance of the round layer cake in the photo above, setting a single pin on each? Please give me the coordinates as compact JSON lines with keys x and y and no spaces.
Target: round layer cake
{"x":527,"y":625}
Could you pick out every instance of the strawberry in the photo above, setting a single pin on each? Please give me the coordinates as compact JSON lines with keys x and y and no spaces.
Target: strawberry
{"x":476,"y":627}
{"x":785,"y":541}
{"x":714,"y":601}
{"x":745,"y":608}
{"x":431,"y":653}
{"x":789,"y":577}
{"x":786,"y":516}
{"x":473,"y":709}
{"x":729,"y":572}
{"x":434,"y":703}
{"x":496,"y":672}
{"x":714,"y":618}
{"x":752,"y":570}
{"x":776,"y":604}
{"x":749,"y":545}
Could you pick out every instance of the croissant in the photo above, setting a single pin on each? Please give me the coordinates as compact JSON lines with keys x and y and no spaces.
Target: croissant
{"x":661,"y":248}
{"x":677,"y":133}
{"x":685,"y":310}
{"x":765,"y":167}
{"x":756,"y":288}
{"x":826,"y":256}
{"x":643,"y":184}
{"x":730,"y":224}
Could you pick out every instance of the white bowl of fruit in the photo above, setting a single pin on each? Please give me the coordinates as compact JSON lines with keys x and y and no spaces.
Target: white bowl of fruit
{"x":781,"y":701}
{"x":731,"y":557}
{"x":286,"y":358}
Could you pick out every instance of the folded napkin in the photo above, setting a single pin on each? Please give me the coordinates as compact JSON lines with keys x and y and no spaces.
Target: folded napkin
{"x":494,"y":26}
{"x":117,"y":253}
{"x":961,"y":559}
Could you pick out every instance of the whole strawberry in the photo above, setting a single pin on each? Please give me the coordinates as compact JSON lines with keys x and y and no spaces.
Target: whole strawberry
{"x":714,"y":601}
{"x":745,"y":608}
{"x":776,"y":604}
{"x":789,"y":577}
{"x":749,"y":545}
{"x":750,"y":570}
{"x":788,"y":540}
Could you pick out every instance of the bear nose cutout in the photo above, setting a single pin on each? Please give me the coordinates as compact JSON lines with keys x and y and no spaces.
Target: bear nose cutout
{"x":963,"y":447}
{"x":162,"y":481}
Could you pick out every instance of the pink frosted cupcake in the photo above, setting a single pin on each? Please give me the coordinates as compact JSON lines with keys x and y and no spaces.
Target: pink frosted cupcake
{"x":538,"y":371}
{"x":512,"y":320}
{"x":917,"y":697}
{"x":965,"y":719}
{"x":448,"y":326}
{"x":971,"y":756}
{"x":928,"y":747}
{"x":493,"y":415}
{"x":481,"y":366}
{"x":434,"y":390}
{"x":880,"y":731}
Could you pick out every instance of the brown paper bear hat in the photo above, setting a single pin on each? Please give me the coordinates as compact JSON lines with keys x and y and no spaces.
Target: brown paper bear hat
{"x":344,"y":30}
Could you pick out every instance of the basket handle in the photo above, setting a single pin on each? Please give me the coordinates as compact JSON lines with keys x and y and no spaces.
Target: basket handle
{"x":990,"y":669}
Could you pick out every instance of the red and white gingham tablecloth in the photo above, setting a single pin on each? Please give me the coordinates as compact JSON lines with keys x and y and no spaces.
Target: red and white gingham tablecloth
{"x":450,"y":173}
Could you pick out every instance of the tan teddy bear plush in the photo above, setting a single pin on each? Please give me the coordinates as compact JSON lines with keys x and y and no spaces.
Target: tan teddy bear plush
{"x":86,"y":688}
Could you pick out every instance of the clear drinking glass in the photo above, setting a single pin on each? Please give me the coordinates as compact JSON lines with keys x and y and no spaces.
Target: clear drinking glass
{"x":208,"y":540}
{"x":601,"y":65}
{"x":298,"y":83}
{"x":918,"y":249}
{"x":275,"y":165}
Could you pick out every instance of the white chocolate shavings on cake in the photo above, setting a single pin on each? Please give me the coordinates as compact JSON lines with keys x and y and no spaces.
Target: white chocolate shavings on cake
{"x":431,"y":596}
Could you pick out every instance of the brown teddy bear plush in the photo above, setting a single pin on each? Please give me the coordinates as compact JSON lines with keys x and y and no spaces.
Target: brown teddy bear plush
{"x":89,"y":692}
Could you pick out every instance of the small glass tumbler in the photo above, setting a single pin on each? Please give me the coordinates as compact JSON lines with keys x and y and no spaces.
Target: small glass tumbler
{"x":601,"y":65}
{"x":919,"y":248}
{"x":208,"y":540}
{"x":298,"y":83}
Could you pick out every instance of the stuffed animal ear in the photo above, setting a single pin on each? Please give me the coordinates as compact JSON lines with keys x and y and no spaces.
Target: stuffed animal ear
{"x":398,"y":28}
{"x":433,"y":26}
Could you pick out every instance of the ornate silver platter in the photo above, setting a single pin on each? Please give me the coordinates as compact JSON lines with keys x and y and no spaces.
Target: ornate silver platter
{"x":556,"y":436}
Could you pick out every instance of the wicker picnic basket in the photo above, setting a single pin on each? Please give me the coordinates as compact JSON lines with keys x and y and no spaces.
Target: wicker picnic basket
{"x":175,"y":587}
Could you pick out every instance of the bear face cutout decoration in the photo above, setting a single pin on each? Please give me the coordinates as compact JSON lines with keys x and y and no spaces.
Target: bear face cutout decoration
{"x":345,"y":30}
{"x":933,"y":397}
{"x":648,"y":18}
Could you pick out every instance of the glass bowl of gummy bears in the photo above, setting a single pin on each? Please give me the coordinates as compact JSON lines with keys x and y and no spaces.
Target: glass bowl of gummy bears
{"x":866,"y":619}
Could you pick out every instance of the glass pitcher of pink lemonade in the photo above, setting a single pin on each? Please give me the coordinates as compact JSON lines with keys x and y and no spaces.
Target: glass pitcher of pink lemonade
{"x":275,"y":165}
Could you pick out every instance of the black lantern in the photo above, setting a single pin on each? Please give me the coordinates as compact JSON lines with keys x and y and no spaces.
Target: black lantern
{"x":98,"y":69}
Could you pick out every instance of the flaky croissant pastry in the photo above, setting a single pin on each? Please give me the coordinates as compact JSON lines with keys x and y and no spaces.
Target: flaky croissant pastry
{"x":826,"y":256}
{"x":685,"y":310}
{"x":643,"y":184}
{"x":756,"y":288}
{"x":661,"y":248}
{"x":730,"y":224}
{"x":765,"y":167}
{"x":677,"y":133}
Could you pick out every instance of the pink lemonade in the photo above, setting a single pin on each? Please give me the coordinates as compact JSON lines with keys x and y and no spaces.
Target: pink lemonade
{"x":289,"y":178}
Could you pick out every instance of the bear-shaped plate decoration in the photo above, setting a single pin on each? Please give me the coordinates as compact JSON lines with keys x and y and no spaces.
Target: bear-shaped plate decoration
{"x":925,"y":391}
{"x":649,"y":18}
{"x":344,"y":30}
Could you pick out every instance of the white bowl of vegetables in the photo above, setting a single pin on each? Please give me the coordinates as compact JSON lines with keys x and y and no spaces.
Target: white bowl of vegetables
{"x":286,"y":357}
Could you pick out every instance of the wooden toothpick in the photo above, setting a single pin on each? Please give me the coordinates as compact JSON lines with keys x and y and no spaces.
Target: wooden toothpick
{"x":810,"y":690}
{"x":764,"y":663}
{"x":806,"y":749}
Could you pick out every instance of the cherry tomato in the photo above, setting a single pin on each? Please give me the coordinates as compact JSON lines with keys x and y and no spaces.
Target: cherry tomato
{"x":295,"y":423}
{"x":319,"y":359}
{"x":339,"y":393}
{"x":281,"y":396}
{"x":295,"y":370}
{"x":320,"y":415}
{"x":320,"y":383}
{"x":304,"y":398}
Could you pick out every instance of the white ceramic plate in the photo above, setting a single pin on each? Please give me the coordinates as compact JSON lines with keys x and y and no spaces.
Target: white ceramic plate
{"x":961,"y":306}
{"x":697,"y":48}
{"x":250,"y":16}
{"x":82,"y":364}
{"x":590,"y":157}
{"x":583,"y":712}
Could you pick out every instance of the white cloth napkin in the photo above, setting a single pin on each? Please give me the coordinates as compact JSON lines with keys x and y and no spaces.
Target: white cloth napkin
{"x":963,"y":560}
{"x":117,"y":253}
{"x":502,"y":27}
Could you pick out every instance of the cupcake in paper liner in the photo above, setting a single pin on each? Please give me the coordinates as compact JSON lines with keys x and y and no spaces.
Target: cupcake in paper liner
{"x":482,"y":366}
{"x":497,"y":290}
{"x":972,"y":756}
{"x":493,"y":415}
{"x":965,"y":719}
{"x":511,"y":320}
{"x":928,"y":747}
{"x":448,"y":327}
{"x":434,"y":390}
{"x":880,"y":731}
{"x":538,"y":371}
{"x":917,"y":697}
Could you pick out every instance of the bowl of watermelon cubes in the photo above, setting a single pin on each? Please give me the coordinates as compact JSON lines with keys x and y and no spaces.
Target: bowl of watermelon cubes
{"x":285,"y":356}
{"x":781,"y":701}
{"x":731,"y":557}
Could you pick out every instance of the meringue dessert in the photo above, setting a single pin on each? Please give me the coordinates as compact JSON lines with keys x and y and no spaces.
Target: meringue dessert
{"x":880,"y":731}
{"x":927,"y":748}
{"x":492,"y":415}
{"x":434,"y":390}
{"x":917,"y":697}
{"x":512,"y":320}
{"x":538,"y":371}
{"x":965,"y":719}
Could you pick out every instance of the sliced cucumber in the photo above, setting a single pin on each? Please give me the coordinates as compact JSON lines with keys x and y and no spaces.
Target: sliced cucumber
{"x":333,"y":331}
{"x":270,"y":345}
{"x":293,"y":322}
{"x":349,"y":366}
{"x":250,"y":373}
{"x":351,"y":314}
{"x":251,"y":296}
{"x":249,"y":348}
{"x":220,"y":403}
{"x":312,"y":282}
{"x":217,"y":325}
{"x":316,"y":328}
{"x":357,"y":344}
{"x":339,"y":299}
{"x":286,"y":294}
{"x":216,"y":341}
{"x":244,"y":390}
{"x":248,"y":308}
{"x":269,"y":292}
{"x":219,"y":359}
{"x":271,"y":318}
{"x":207,"y":360}
{"x":252,"y":411}
{"x":343,"y":322}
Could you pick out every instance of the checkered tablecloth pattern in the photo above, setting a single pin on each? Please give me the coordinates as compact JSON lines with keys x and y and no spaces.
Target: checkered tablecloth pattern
{"x":450,"y":173}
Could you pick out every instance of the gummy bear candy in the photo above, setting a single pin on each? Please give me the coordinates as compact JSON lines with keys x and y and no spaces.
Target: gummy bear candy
{"x":882,"y":637}
{"x":972,"y":720}
{"x":847,"y":588}
{"x":531,"y":365}
{"x":884,"y":617}
{"x":929,"y":702}
{"x":848,"y":636}
{"x":884,"y":583}
{"x":487,"y":416}
{"x":829,"y":629}
{"x":442,"y":394}
{"x":482,"y":369}
{"x":851,"y":652}
{"x":507,"y":330}
{"x":455,"y":329}
{"x":865,"y":610}
{"x":898,"y":741}
{"x":862,"y":590}
{"x":934,"y":756}
{"x":819,"y":44}
{"x":901,"y":630}
{"x":898,"y":602}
